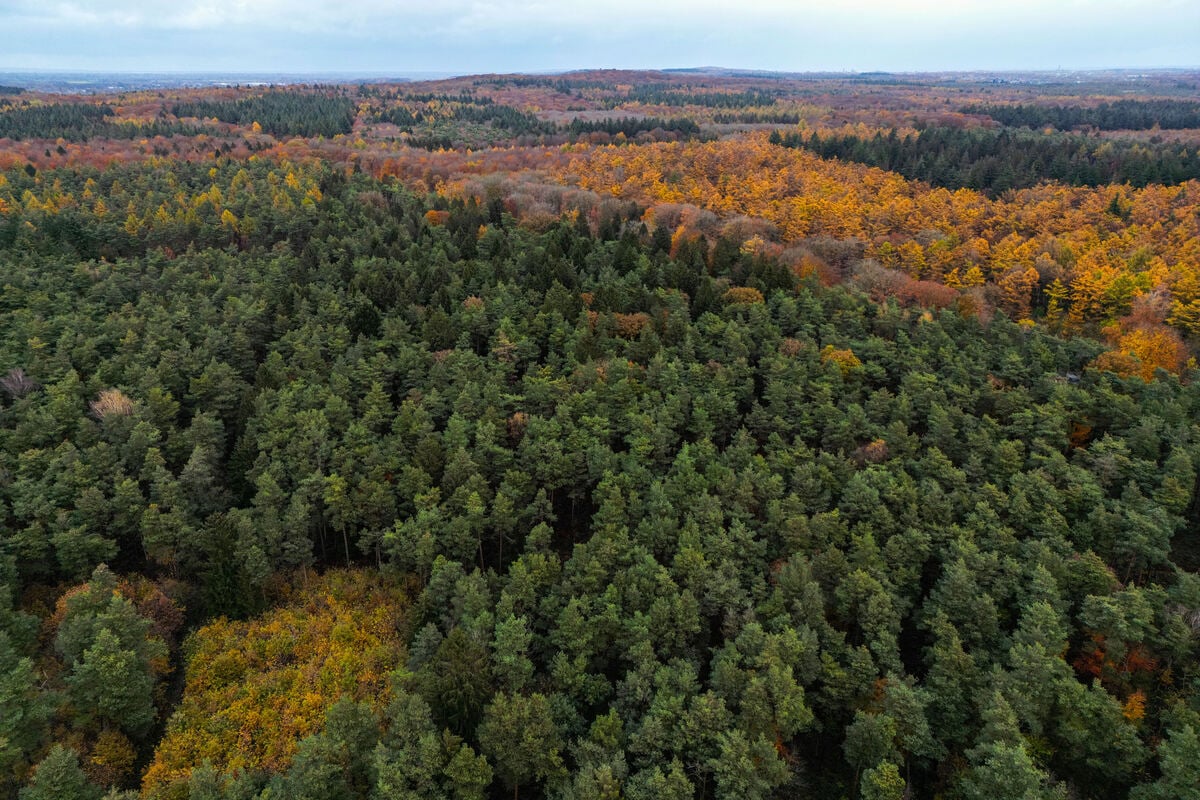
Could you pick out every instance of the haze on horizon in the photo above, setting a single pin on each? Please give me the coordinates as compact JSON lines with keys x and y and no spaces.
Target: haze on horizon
{"x":463,"y":36}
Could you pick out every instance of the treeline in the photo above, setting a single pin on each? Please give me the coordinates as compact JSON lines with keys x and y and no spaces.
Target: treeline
{"x":1135,"y":115}
{"x":466,"y":97}
{"x":567,"y":86}
{"x":11,"y":90}
{"x":753,"y":117}
{"x":457,"y":123}
{"x":677,"y":522}
{"x":279,"y":113}
{"x":996,"y":161}
{"x":632,"y":126}
{"x":401,"y":116}
{"x":665,"y":95}
{"x":78,"y":122}
{"x":610,"y":94}
{"x":510,"y":119}
{"x":443,"y":128}
{"x":433,"y":142}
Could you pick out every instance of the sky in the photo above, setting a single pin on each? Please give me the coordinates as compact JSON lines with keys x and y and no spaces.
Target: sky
{"x":465,"y":37}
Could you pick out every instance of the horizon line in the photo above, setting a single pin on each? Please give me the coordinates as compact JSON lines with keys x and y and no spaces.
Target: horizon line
{"x":383,"y":73}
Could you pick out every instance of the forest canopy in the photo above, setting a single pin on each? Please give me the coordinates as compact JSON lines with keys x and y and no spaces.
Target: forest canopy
{"x":281,"y":113}
{"x":338,"y":467}
{"x":996,"y":161}
{"x":1137,"y":115}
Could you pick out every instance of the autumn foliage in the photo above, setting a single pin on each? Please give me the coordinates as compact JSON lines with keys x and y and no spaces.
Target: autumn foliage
{"x":1140,"y":352}
{"x":1020,"y":243}
{"x":743,"y":296}
{"x":1077,"y":256}
{"x":255,"y":688}
{"x":843,"y":358}
{"x":710,"y":467}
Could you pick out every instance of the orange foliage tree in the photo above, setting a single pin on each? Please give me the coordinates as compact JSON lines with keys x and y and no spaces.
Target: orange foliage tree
{"x":1020,"y":241}
{"x":1141,"y":351}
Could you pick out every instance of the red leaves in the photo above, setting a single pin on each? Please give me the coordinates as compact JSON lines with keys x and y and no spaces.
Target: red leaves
{"x":1094,"y":660}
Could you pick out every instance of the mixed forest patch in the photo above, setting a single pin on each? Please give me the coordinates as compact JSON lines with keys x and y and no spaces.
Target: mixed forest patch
{"x":77,"y":122}
{"x":337,"y":467}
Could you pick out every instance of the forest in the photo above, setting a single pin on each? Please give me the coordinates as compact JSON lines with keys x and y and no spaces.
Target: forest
{"x":279,"y":113}
{"x":74,"y":122}
{"x":996,"y":161}
{"x":557,"y":460}
{"x":1138,"y":115}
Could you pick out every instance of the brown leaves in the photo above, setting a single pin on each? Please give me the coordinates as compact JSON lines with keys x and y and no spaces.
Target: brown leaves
{"x":111,"y":403}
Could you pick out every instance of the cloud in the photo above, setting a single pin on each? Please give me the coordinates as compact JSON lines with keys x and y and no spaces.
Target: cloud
{"x":465,"y":16}
{"x":507,"y":35}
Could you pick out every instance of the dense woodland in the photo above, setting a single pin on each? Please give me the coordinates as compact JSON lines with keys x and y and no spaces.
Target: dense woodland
{"x":996,"y":161}
{"x":279,"y":113}
{"x":1135,"y":115}
{"x":74,"y":122}
{"x":341,"y":468}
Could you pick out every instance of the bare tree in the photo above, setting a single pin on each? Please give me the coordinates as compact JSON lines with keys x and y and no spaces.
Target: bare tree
{"x":111,"y":403}
{"x":18,"y":384}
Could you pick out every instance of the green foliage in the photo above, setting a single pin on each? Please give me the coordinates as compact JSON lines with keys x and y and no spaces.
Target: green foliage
{"x":1001,"y":766}
{"x":521,"y":740}
{"x":1179,"y":761}
{"x":414,"y":761}
{"x":58,"y":777}
{"x":282,"y":113}
{"x":660,"y":543}
{"x":631,"y":127}
{"x":79,"y":122}
{"x":107,"y":646}
{"x":869,"y":740}
{"x":883,"y":783}
{"x":1138,"y":115}
{"x":747,"y":769}
{"x":334,"y":764}
{"x":111,"y":684}
{"x":997,"y":160}
{"x":23,"y":711}
{"x":664,"y":95}
{"x":456,"y":680}
{"x":461,"y":120}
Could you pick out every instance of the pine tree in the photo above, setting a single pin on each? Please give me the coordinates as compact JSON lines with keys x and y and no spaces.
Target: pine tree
{"x":58,"y":777}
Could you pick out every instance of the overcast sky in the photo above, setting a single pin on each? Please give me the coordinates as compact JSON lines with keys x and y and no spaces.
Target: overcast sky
{"x":460,"y":36}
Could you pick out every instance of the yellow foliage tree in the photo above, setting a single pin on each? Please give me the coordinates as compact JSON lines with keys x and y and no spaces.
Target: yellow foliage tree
{"x":845,"y":359}
{"x":1142,"y":351}
{"x":254,"y":689}
{"x":743,"y":295}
